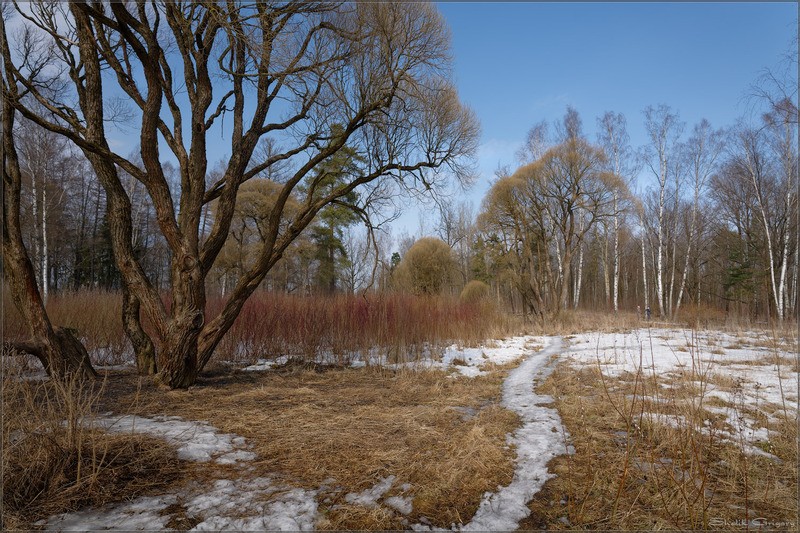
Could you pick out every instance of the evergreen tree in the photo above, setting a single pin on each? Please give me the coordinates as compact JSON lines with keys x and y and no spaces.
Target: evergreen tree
{"x":333,"y":219}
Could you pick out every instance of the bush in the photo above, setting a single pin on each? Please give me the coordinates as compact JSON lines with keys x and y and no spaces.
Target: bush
{"x":474,"y":292}
{"x":427,"y":267}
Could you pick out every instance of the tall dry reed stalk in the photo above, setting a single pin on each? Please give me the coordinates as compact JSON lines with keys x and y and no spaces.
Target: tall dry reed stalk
{"x":332,"y":328}
{"x":336,"y":328}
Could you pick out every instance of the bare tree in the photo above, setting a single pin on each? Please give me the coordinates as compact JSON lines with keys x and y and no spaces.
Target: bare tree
{"x":42,"y":157}
{"x":663,"y":129}
{"x":537,"y":141}
{"x":358,"y":270}
{"x":769,"y":157}
{"x":703,"y":150}
{"x":288,"y":70}
{"x":548,"y":208}
{"x":456,"y":228}
{"x":613,"y":138}
{"x":59,"y":351}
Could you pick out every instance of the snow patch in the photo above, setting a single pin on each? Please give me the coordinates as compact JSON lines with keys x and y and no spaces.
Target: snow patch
{"x":401,"y":504}
{"x":759,"y":384}
{"x":369,"y":497}
{"x":243,"y":505}
{"x":196,"y":441}
{"x":540,"y":439}
{"x":142,"y":514}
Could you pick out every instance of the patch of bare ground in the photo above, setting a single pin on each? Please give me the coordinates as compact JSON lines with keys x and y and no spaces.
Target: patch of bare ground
{"x":648,"y":455}
{"x":443,"y":437}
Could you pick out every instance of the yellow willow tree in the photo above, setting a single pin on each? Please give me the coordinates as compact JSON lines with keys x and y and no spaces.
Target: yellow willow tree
{"x":285,"y":70}
{"x":547,"y":208}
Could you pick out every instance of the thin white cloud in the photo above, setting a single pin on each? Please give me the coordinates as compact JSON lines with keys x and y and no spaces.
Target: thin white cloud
{"x":495,"y":152}
{"x":556,"y":102}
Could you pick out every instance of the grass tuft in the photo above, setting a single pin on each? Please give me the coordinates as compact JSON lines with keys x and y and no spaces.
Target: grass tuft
{"x":55,"y":461}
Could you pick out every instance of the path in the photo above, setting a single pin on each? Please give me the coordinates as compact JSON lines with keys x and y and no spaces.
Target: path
{"x":540,"y":438}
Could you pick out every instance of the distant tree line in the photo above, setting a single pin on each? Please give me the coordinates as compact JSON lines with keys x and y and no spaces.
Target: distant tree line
{"x":718,"y":227}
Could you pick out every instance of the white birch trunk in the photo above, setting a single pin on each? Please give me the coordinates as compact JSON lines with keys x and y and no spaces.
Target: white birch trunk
{"x":673,"y":261}
{"x":45,"y":263}
{"x":795,"y":288}
{"x":660,"y":251}
{"x":616,"y":252}
{"x":644,"y":274}
{"x":577,"y":294}
{"x":606,"y":274}
{"x":770,"y":247}
{"x":37,"y":251}
{"x":692,"y":237}
{"x":580,"y":278}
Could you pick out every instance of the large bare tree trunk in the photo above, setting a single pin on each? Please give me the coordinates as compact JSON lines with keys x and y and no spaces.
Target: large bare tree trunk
{"x":143,"y":348}
{"x":59,"y":351}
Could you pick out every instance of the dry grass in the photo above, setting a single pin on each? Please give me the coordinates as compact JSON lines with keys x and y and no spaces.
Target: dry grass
{"x":572,"y":322}
{"x":346,"y":429}
{"x":93,"y":314}
{"x":649,"y":457}
{"x":54,"y":461}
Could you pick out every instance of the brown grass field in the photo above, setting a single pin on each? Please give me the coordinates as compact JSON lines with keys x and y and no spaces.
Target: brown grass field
{"x":325,"y":426}
{"x":645,"y":465}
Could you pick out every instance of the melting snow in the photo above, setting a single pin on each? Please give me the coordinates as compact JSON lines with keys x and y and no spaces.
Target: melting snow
{"x":758,"y":379}
{"x":243,"y":504}
{"x":539,"y":440}
{"x":140,"y":515}
{"x":369,"y":497}
{"x":196,"y":441}
{"x":401,"y":504}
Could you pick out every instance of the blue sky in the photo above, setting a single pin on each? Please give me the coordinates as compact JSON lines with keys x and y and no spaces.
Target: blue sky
{"x":519,"y":63}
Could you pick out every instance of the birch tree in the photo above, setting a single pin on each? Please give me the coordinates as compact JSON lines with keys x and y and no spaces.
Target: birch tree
{"x":663,"y":130}
{"x":703,"y":151}
{"x":774,"y":198}
{"x":614,"y":139}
